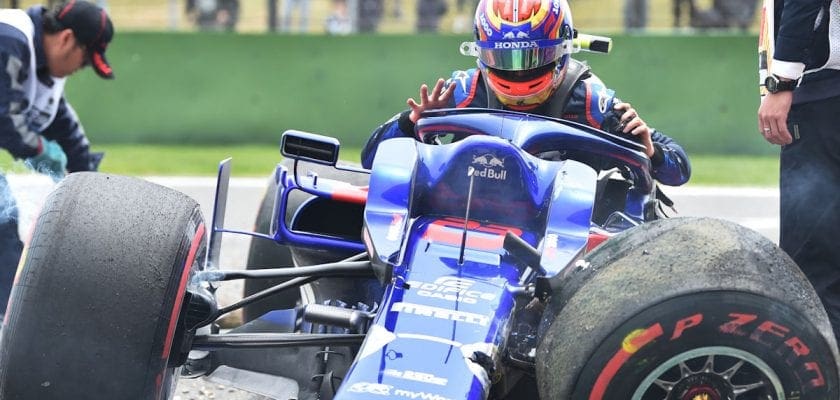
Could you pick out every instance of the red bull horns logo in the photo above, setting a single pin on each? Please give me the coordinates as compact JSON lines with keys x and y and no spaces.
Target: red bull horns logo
{"x":489,"y":166}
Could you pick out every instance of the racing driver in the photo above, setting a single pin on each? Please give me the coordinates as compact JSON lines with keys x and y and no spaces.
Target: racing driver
{"x":524,"y":64}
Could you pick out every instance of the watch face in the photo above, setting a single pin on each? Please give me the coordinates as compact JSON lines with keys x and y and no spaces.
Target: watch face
{"x":772,"y":84}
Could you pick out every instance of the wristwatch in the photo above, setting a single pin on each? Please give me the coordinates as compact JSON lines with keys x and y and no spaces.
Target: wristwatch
{"x":776,"y":85}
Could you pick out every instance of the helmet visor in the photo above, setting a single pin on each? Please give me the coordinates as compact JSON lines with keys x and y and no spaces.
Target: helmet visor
{"x":520,"y":55}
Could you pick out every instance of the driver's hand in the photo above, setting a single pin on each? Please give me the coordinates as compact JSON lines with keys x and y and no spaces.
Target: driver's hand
{"x":632,"y":124}
{"x":439,"y":98}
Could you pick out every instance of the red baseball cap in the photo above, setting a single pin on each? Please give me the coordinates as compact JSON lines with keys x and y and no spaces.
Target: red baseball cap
{"x":92,"y":28}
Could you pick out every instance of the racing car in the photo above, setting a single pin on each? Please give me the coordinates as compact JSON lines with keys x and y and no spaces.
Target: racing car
{"x":465,"y":264}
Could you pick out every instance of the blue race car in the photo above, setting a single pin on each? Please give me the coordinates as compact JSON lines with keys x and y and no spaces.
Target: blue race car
{"x":500,"y":256}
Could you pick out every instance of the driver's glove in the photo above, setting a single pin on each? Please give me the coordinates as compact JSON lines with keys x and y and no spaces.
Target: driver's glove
{"x":51,"y":161}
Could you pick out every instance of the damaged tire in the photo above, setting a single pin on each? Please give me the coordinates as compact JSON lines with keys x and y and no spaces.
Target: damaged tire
{"x":687,"y":308}
{"x":95,"y":308}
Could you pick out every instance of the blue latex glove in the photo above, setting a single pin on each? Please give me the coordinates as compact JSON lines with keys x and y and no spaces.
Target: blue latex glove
{"x":52,"y":161}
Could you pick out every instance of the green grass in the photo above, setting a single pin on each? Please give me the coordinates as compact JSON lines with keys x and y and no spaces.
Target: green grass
{"x":734,"y":170}
{"x":259,"y":160}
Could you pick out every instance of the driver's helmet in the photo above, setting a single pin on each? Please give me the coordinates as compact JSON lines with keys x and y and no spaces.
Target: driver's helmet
{"x":523,"y":48}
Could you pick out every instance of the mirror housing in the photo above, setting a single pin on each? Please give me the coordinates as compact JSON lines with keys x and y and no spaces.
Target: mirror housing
{"x":310,"y":147}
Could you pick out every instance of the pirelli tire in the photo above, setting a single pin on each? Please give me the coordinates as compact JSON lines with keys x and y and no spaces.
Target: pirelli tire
{"x":94,"y":312}
{"x":685,"y":309}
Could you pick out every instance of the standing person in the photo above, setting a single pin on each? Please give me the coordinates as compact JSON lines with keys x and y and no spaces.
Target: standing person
{"x":368,"y":15}
{"x":635,"y":14}
{"x":228,"y":14}
{"x":203,"y":13}
{"x":302,"y":7}
{"x":39,"y":49}
{"x":429,"y":13}
{"x":542,"y":80}
{"x":338,"y":22}
{"x":801,"y":114}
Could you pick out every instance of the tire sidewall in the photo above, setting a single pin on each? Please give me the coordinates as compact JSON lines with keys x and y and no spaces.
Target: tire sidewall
{"x":656,"y":263}
{"x":776,"y":335}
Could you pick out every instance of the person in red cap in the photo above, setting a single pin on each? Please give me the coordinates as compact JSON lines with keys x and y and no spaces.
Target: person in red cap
{"x":39,"y":49}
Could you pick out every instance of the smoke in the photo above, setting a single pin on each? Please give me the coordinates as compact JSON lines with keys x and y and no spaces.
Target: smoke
{"x":22,"y":195}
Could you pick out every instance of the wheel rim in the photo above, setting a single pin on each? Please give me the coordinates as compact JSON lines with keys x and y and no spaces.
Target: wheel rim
{"x":711,"y":373}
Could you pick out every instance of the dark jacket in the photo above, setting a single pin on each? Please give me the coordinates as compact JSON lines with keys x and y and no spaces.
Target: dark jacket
{"x":32,"y":103}
{"x":808,"y":31}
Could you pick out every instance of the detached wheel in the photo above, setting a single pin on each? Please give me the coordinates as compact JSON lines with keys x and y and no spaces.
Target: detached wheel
{"x":687,"y":309}
{"x":94,"y":311}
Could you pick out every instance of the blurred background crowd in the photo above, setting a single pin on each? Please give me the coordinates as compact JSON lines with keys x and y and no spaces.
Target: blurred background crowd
{"x":341,"y":17}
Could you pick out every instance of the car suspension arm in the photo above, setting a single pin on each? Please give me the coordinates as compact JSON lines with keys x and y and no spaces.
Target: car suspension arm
{"x":342,"y":268}
{"x":266,"y":340}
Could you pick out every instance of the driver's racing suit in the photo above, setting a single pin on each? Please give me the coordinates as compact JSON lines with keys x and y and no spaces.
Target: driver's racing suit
{"x":589,"y":103}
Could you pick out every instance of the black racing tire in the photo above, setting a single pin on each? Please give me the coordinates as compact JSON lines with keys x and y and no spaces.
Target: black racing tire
{"x":94,"y":310}
{"x":687,"y":308}
{"x":319,"y":214}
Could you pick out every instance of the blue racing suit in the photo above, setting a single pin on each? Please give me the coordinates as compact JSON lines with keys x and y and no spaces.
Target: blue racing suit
{"x":32,"y":108}
{"x":590,"y":103}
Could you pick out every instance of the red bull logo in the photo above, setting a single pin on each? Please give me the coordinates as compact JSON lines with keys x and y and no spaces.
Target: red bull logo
{"x":489,"y":166}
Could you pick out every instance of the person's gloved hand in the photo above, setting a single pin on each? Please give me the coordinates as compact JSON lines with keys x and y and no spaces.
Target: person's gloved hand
{"x":439,"y":98}
{"x":51,"y":161}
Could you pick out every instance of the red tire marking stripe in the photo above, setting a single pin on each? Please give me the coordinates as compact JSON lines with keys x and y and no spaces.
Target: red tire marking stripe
{"x":182,"y":287}
{"x":629,"y":347}
{"x":176,"y":308}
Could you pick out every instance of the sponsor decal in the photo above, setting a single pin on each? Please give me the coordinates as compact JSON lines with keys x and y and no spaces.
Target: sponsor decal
{"x":461,"y":77}
{"x":418,"y":395}
{"x":416,"y":376}
{"x":371,"y":388}
{"x":516,"y":35}
{"x":766,"y":332}
{"x":555,"y":6}
{"x":441,"y":313}
{"x":489,"y":166}
{"x":486,"y":26}
{"x":523,"y":44}
{"x":388,"y":390}
{"x":602,"y":102}
{"x":451,"y":289}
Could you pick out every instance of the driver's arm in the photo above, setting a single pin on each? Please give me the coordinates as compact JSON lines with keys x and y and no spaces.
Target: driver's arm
{"x":398,"y":126}
{"x":593,"y":104}
{"x":402,"y":124}
{"x":669,"y":161}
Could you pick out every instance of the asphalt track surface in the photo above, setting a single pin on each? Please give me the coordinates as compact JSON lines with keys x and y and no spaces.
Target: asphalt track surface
{"x":755,"y":208}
